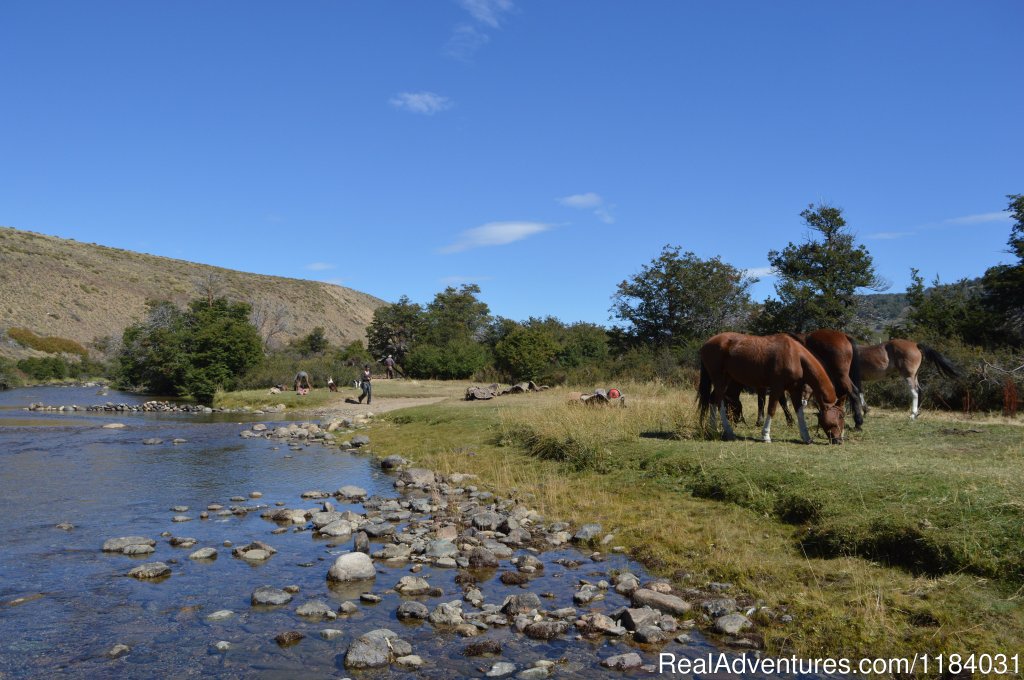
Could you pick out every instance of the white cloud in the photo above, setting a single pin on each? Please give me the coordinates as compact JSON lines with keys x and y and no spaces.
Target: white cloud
{"x":319,"y":266}
{"x":759,"y":272}
{"x":980,"y":218}
{"x":495,"y":234}
{"x":465,"y":41}
{"x":468,"y":37}
{"x":427,"y":103}
{"x":487,"y":12}
{"x":888,"y":235}
{"x":587,"y":200}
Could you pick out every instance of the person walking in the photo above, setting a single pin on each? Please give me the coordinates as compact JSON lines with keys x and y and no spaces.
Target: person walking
{"x":389,"y":365}
{"x":364,"y":384}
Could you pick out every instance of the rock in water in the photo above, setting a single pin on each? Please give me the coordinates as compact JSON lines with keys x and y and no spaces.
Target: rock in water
{"x":375,"y":649}
{"x":353,"y":566}
{"x":150,"y":570}
{"x":670,"y":604}
{"x":289,"y":638}
{"x":268,"y":595}
{"x":204,"y":554}
{"x":119,"y":544}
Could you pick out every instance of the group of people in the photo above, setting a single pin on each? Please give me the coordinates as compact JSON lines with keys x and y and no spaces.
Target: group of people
{"x":303,"y":384}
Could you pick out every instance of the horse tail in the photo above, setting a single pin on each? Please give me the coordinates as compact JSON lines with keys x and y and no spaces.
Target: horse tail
{"x":704,"y":393}
{"x":944,"y":365}
{"x":855,"y":367}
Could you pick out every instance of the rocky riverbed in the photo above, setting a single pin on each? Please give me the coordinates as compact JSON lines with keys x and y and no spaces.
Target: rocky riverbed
{"x":296,"y":550}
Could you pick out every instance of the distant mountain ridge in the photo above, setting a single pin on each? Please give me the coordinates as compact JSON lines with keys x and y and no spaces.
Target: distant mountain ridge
{"x":84,"y":291}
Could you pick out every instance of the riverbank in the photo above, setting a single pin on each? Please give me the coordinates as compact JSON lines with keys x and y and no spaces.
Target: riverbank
{"x":936,"y":497}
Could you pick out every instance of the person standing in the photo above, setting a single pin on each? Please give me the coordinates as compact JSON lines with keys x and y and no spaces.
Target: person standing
{"x":389,"y":365}
{"x":364,"y":384}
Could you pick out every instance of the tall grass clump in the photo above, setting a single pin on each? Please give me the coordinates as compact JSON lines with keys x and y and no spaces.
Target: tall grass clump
{"x":590,"y":437}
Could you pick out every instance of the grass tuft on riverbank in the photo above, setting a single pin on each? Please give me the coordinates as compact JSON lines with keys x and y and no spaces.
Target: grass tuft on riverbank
{"x":905,"y":539}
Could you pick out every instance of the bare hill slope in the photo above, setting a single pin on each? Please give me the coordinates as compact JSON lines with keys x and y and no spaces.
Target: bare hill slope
{"x":81,"y":291}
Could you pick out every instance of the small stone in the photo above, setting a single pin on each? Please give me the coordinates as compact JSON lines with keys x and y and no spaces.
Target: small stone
{"x":501,"y":669}
{"x":65,"y":526}
{"x":150,"y":570}
{"x":204,"y":554}
{"x":413,"y":610}
{"x":370,"y":598}
{"x":353,"y":566}
{"x":670,"y":604}
{"x":331,"y":633}
{"x":288,"y":638}
{"x":409,"y":661}
{"x":118,"y":650}
{"x":412,"y":586}
{"x":113,"y":426}
{"x":220,"y":615}
{"x":316,"y":609}
{"x":222,"y":645}
{"x":732,"y":624}
{"x":270,"y":596}
{"x":119,"y":544}
{"x":153,"y":441}
{"x":623,"y":662}
{"x":181,"y":518}
{"x":586,"y":533}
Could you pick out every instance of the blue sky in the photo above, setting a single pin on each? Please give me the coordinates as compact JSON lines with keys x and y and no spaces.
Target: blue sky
{"x":545,"y":150}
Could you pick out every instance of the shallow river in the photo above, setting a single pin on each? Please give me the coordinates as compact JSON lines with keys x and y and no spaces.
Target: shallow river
{"x":64,"y":603}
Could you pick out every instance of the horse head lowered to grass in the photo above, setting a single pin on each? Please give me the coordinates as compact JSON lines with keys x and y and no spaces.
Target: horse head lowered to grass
{"x":777,"y":363}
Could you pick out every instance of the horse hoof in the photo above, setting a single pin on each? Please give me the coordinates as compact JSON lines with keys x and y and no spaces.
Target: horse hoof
{"x":766,"y":440}
{"x":728,"y":437}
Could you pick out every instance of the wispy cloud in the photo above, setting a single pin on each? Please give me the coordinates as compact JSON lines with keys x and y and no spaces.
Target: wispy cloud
{"x":468,"y":37}
{"x":589,"y":201}
{"x":319,"y":266}
{"x":759,"y":272}
{"x":487,"y":12}
{"x":980,"y":218}
{"x":427,"y":103}
{"x":495,"y":234}
{"x":888,"y":235}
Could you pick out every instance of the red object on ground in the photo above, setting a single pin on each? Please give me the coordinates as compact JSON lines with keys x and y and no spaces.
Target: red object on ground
{"x":613,"y":393}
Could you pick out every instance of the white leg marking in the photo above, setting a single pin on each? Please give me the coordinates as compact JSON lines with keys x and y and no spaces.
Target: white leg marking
{"x":913,"y":404}
{"x":804,"y":434}
{"x":727,"y":432}
{"x":766,"y":431}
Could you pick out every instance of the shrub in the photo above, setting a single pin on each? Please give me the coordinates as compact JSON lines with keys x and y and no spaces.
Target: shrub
{"x":49,"y":344}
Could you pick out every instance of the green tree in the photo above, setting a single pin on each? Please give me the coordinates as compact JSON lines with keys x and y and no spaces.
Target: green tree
{"x":527,"y":352}
{"x":1004,"y":284}
{"x":679,"y":297}
{"x":395,"y":328}
{"x":817,"y":279}
{"x":196,"y":352}
{"x":313,"y":343}
{"x":456,"y":314}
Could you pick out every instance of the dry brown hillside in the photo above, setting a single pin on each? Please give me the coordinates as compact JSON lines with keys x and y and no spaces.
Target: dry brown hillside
{"x":83,"y":291}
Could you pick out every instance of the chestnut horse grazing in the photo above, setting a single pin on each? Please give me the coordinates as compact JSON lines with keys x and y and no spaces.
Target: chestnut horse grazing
{"x":905,"y":356}
{"x":777,"y":363}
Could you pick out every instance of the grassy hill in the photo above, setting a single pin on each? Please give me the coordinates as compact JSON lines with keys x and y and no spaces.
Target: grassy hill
{"x":83,"y":291}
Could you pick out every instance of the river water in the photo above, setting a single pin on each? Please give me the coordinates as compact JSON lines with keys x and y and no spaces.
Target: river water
{"x":64,"y":603}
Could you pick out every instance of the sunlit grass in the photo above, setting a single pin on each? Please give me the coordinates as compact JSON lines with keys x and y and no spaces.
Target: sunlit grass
{"x":934,"y":497}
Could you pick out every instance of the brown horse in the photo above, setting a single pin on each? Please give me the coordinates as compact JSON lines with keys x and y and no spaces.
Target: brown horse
{"x":777,"y":363}
{"x":906,"y":357}
{"x":839,"y":356}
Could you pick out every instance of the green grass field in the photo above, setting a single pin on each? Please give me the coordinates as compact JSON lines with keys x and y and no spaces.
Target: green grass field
{"x":907,"y":538}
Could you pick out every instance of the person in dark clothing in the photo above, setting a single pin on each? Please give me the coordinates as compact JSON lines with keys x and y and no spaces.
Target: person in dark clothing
{"x":389,"y":365}
{"x":364,"y":384}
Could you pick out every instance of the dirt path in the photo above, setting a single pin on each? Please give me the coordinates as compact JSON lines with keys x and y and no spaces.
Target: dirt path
{"x":379,"y":405}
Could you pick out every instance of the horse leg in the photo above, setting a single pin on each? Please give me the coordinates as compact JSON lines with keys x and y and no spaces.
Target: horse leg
{"x":760,"y":407}
{"x":784,"y":403}
{"x":863,"y":402}
{"x":727,"y":433}
{"x":914,"y":394}
{"x":766,"y":432}
{"x":796,"y":395}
